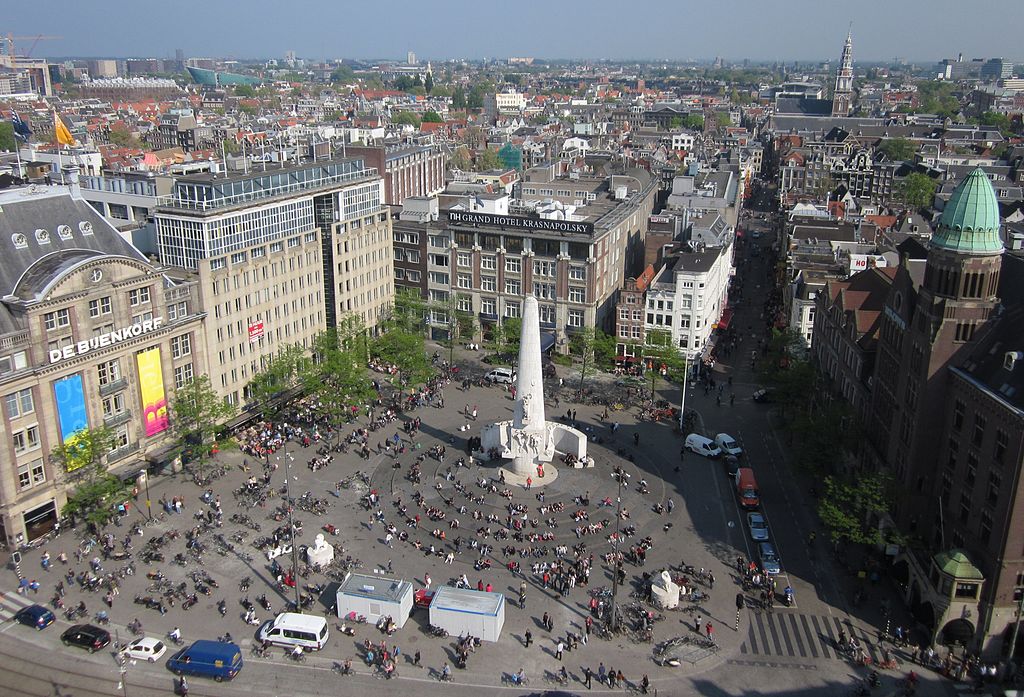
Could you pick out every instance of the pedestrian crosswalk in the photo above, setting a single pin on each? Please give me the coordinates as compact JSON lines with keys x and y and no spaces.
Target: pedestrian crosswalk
{"x":12,"y":602}
{"x":783,"y":633}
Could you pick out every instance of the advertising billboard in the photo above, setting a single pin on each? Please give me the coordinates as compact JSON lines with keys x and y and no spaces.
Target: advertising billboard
{"x":71,"y":414}
{"x":151,"y":384}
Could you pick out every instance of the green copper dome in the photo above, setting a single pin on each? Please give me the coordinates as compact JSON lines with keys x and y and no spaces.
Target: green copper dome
{"x":970,"y":221}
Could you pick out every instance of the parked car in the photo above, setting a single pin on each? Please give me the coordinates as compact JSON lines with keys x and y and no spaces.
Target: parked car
{"x":86,"y":636}
{"x":702,"y":446}
{"x":732,"y":465}
{"x":756,"y":234}
{"x":769,"y":558}
{"x":145,"y":649}
{"x":35,"y":616}
{"x":728,"y":444}
{"x":763,"y":396}
{"x":758,"y":527}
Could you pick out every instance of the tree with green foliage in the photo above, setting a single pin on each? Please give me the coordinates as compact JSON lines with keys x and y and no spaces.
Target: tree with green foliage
{"x":917,"y":190}
{"x":997,"y":120}
{"x":786,"y":371}
{"x":722,"y":119}
{"x":512,"y":79}
{"x":660,"y":351}
{"x":851,"y":508}
{"x":343,"y":74}
{"x":8,"y":143}
{"x":406,"y":350}
{"x":898,"y":149}
{"x":937,"y":97}
{"x":196,"y":415}
{"x":245,"y":91}
{"x":338,"y":378}
{"x":675,"y":123}
{"x":430,"y":116}
{"x":80,"y":459}
{"x":123,"y":138}
{"x":605,"y":346}
{"x":460,"y":159}
{"x":581,"y":347}
{"x":458,"y":99}
{"x":428,"y":83}
{"x":404,"y":118}
{"x":488,"y":159}
{"x":694,"y":121}
{"x":280,"y":376}
{"x":475,"y":100}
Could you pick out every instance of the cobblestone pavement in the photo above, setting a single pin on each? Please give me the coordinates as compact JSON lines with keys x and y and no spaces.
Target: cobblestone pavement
{"x":790,"y":651}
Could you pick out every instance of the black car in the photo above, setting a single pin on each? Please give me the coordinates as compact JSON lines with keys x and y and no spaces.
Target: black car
{"x":35,"y":616}
{"x":87,"y":637}
{"x":732,"y":464}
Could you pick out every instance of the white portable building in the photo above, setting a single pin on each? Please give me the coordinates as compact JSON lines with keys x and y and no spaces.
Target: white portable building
{"x":375,"y":597}
{"x":463,"y":612}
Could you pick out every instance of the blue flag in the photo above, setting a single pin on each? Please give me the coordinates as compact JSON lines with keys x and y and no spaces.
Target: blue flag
{"x":21,"y":129}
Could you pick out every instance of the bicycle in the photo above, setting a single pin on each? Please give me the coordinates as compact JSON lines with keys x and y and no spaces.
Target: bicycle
{"x":556,"y":679}
{"x":511,"y":679}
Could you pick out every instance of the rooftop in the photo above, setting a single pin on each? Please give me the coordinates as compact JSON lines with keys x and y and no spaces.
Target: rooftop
{"x":970,"y":221}
{"x":468,"y":601}
{"x":375,"y":587}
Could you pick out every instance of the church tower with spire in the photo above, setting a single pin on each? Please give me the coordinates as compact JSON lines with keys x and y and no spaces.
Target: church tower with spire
{"x":842,"y":96}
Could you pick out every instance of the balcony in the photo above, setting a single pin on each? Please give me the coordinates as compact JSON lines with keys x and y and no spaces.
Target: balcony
{"x":117,"y":419}
{"x":112,"y":387}
{"x":122,"y":452}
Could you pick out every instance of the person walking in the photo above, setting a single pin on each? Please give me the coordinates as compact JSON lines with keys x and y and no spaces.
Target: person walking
{"x":588,"y":623}
{"x":586,"y":677}
{"x":528,"y":638}
{"x":416,"y":659}
{"x":636,"y":438}
{"x":710,"y":631}
{"x":698,"y":623}
{"x":558,"y":650}
{"x":426,"y":581}
{"x":601,"y":673}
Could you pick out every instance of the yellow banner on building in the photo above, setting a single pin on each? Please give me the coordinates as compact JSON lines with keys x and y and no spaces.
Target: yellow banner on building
{"x":154,"y":399}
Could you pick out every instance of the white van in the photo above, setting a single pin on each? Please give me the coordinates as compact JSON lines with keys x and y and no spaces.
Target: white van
{"x":702,"y":446}
{"x":728,"y":444}
{"x":505,"y":376}
{"x":293,"y":629}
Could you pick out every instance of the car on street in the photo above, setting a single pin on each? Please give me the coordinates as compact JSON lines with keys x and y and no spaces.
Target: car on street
{"x":728,"y":444}
{"x":702,"y":446}
{"x":758,"y":527}
{"x":769,"y":558}
{"x":731,"y":464}
{"x":86,"y":636}
{"x":145,"y":649}
{"x":762,"y":396}
{"x":756,"y":234}
{"x":501,"y":376}
{"x":35,"y":616}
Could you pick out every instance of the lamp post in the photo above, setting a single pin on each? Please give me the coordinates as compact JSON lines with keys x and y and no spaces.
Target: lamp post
{"x":290,"y":501}
{"x":614,"y":623}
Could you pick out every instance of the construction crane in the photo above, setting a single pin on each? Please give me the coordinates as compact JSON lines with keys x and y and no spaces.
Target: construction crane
{"x":10,"y":39}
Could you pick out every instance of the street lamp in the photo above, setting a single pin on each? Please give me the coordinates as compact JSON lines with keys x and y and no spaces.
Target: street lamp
{"x":613,"y":625}
{"x":290,"y":502}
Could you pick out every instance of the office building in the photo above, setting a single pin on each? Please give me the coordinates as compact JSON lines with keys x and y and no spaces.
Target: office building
{"x":91,"y":334}
{"x":408,"y":170}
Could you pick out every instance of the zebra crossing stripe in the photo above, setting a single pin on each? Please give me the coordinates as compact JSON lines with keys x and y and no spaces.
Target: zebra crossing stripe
{"x":796,"y":634}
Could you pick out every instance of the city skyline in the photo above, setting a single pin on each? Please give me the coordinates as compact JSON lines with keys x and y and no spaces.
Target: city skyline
{"x":808,"y":31}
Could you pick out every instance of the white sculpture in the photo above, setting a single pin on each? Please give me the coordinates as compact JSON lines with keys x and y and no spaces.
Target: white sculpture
{"x":322,"y":551}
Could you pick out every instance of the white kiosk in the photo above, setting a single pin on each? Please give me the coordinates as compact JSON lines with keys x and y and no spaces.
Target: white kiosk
{"x":464,"y":612}
{"x":375,"y":597}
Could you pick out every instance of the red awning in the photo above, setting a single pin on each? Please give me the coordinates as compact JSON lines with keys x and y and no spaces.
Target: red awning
{"x":723,"y":323}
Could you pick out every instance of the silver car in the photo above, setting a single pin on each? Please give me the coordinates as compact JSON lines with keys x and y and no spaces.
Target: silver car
{"x":758,"y":527}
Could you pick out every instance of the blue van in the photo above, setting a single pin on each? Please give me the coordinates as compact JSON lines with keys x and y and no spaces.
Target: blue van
{"x":210,"y":659}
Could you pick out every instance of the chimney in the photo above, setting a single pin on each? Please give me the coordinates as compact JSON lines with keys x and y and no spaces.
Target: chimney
{"x":70,"y":173}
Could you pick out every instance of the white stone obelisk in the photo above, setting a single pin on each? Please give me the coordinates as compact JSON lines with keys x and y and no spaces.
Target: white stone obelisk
{"x":528,"y":413}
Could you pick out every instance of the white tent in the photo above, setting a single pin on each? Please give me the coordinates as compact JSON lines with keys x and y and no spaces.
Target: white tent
{"x":468,"y":612}
{"x":375,"y":597}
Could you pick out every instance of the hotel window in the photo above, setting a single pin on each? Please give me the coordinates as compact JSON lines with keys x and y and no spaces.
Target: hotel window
{"x":513,"y":287}
{"x":412,"y":276}
{"x":177,"y":310}
{"x":412,"y":256}
{"x":577,"y":273}
{"x":511,"y":308}
{"x":438,"y":278}
{"x":544,"y":291}
{"x":488,"y":263}
{"x":465,"y":280}
{"x":439,"y":259}
{"x":465,"y":259}
{"x":19,"y":403}
{"x":57,"y":319}
{"x":577,"y":295}
{"x":181,"y":346}
{"x":138,"y":296}
{"x":575,"y":318}
{"x":488,"y":283}
{"x":100,"y":306}
{"x":513,"y":264}
{"x":543,"y":268}
{"x":979,"y":429}
{"x":547,"y":314}
{"x":109,"y":371}
{"x":1002,"y":442}
{"x":238,"y":258}
{"x":465,"y":303}
{"x":113,"y":405}
{"x":439,"y":240}
{"x":958,"y":414}
{"x":31,"y":473}
{"x":182,"y":375}
{"x":25,"y":440}
{"x":487,"y":306}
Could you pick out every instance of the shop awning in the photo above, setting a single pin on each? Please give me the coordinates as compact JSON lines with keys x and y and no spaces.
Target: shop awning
{"x":547,"y":341}
{"x":723,"y":323}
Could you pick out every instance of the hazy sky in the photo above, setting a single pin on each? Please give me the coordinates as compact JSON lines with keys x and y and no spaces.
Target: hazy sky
{"x":617,"y":29}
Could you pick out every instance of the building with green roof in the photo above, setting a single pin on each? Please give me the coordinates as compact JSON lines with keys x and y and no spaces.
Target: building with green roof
{"x":970,"y":221}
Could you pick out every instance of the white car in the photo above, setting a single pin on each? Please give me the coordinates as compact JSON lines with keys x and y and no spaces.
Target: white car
{"x":758,"y":527}
{"x":728,"y":444}
{"x":145,"y":649}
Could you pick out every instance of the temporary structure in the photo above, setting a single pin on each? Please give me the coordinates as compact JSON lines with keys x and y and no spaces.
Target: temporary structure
{"x":375,"y":597}
{"x":465,"y":612}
